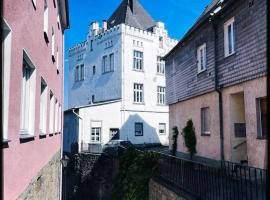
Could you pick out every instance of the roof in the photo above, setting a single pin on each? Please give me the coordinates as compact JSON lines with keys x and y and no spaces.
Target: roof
{"x":131,"y":12}
{"x":205,"y":15}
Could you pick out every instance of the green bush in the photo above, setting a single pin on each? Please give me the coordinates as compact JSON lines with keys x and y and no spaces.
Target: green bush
{"x":135,"y":171}
{"x":190,"y":137}
{"x":174,"y":138}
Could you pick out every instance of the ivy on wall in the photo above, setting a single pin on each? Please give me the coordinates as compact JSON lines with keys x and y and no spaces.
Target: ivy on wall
{"x":135,"y":171}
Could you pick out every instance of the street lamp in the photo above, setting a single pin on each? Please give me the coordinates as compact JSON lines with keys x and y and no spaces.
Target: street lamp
{"x":65,"y":161}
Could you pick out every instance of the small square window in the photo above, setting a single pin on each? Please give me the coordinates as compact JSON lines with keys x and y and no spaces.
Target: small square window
{"x":162,"y":129}
{"x":138,"y":129}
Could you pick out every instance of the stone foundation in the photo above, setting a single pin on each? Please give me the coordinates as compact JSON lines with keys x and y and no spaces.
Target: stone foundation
{"x":46,"y":185}
{"x":160,"y":192}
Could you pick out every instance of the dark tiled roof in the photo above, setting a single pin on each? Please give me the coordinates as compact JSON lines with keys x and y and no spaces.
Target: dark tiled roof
{"x":132,"y":13}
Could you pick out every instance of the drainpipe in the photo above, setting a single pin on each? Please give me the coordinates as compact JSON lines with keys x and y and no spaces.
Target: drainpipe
{"x":218,"y":89}
{"x":80,"y":137}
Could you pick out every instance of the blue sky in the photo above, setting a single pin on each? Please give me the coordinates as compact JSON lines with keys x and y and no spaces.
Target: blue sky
{"x":178,"y":16}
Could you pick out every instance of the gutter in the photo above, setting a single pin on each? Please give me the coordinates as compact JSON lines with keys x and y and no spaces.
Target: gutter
{"x":79,"y":139}
{"x":218,"y":88}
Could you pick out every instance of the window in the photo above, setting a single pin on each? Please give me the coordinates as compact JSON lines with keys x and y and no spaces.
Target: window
{"x":59,"y":118}
{"x":95,"y":135}
{"x":160,"y":42}
{"x":94,"y":70}
{"x":114,"y":133}
{"x":205,"y":121}
{"x":45,"y":20}
{"x":77,"y":73}
{"x":56,"y":106}
{"x":160,"y":66}
{"x":54,"y":4}
{"x":57,"y":60}
{"x":34,"y":3}
{"x":82,"y":72}
{"x":262,"y":117}
{"x":91,"y":45}
{"x":27,"y":116}
{"x":6,"y":64}
{"x":111,"y":62}
{"x":52,"y":102}
{"x":138,"y":93}
{"x":53,"y":45}
{"x":93,"y":98}
{"x":58,"y":20}
{"x":138,"y":129}
{"x":201,"y":58}
{"x":162,"y":128}
{"x":137,"y":60}
{"x":229,"y":37}
{"x":161,"y":95}
{"x":43,"y":107}
{"x":105,"y":67}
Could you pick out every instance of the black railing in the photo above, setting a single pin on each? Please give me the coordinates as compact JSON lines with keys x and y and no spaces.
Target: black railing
{"x":230,"y":181}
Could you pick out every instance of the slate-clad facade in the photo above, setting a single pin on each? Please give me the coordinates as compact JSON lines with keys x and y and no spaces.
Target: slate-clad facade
{"x":231,"y":87}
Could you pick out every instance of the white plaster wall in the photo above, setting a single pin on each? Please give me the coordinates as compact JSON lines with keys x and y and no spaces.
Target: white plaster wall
{"x":108,"y":114}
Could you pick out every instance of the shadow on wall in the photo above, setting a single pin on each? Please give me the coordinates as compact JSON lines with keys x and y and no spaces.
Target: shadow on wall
{"x":149,"y":133}
{"x":71,"y":131}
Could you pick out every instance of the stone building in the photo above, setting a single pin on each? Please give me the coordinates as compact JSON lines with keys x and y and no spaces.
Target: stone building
{"x":117,"y":78}
{"x":33,"y":59}
{"x":216,"y":76}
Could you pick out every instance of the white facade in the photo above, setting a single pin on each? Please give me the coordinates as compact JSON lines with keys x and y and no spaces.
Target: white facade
{"x":117,"y":83}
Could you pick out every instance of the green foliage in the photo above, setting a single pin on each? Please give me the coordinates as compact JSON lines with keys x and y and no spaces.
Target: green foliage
{"x":174,"y":138}
{"x":135,"y":171}
{"x":190,"y":137}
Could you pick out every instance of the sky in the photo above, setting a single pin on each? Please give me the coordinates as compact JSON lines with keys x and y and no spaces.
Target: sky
{"x":178,"y":16}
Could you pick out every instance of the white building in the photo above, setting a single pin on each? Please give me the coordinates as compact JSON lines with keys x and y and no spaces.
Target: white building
{"x":116,"y":78}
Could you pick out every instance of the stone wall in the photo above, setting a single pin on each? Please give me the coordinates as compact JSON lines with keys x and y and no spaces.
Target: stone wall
{"x":46,"y":184}
{"x":160,"y":192}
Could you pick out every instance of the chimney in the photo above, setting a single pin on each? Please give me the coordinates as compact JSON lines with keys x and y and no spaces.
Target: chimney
{"x":94,"y":27}
{"x":130,"y":3}
{"x":104,"y":25}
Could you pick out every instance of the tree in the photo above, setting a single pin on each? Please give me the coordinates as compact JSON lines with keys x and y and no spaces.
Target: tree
{"x":174,"y":138}
{"x":190,"y":137}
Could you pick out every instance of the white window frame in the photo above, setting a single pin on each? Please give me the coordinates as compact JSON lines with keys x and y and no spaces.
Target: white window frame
{"x":6,"y":64}
{"x":43,"y":108}
{"x":77,"y":73}
{"x":52,"y":106}
{"x":96,"y":125}
{"x":28,"y":92}
{"x":46,"y":18}
{"x":259,"y":118}
{"x":105,"y":64}
{"x":138,"y":93}
{"x":159,"y":129}
{"x":138,"y":60}
{"x":203,"y":119}
{"x":160,"y":66}
{"x":229,"y":40}
{"x":57,"y":59}
{"x":161,"y":95}
{"x":53,"y":45}
{"x":59,"y":118}
{"x":201,"y":58}
{"x":56,"y":106}
{"x":34,"y":3}
{"x":82,"y":72}
{"x":111,"y":59}
{"x":136,"y":131}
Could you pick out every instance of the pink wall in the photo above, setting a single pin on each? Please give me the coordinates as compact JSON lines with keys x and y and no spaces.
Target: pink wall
{"x":22,"y":161}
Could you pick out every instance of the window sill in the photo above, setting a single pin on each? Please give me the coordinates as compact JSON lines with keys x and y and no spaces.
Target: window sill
{"x":261,"y":138}
{"x":107,"y":72}
{"x":46,"y":37}
{"x":160,"y":74}
{"x":26,"y":136}
{"x":161,"y":104}
{"x":139,"y":103}
{"x":229,"y":55}
{"x":200,"y":72}
{"x":138,"y":70}
{"x":206,"y":134}
{"x":138,"y":135}
{"x":6,"y":141}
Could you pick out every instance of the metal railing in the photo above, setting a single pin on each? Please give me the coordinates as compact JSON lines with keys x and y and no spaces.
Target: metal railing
{"x":230,"y":181}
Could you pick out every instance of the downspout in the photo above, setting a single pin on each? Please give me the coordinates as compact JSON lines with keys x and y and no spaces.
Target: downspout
{"x":218,"y":89}
{"x":80,"y":140}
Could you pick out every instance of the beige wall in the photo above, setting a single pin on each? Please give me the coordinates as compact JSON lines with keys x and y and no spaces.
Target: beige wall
{"x":256,"y":148}
{"x":207,"y":146}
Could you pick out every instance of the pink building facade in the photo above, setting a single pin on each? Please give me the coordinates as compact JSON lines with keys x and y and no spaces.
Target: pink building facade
{"x":33,"y":68}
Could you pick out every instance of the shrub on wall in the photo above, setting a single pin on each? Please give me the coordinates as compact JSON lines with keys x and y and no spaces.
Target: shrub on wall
{"x":174,"y":138}
{"x":190,"y":137}
{"x":135,"y":171}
